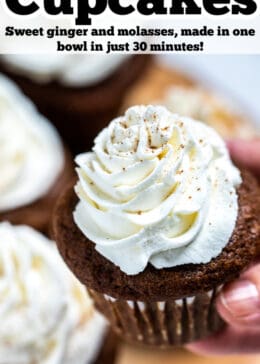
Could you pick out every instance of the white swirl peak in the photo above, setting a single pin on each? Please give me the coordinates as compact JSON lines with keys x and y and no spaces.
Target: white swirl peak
{"x":156,"y":189}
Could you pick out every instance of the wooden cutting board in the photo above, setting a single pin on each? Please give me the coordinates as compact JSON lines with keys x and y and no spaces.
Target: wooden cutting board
{"x":128,"y":354}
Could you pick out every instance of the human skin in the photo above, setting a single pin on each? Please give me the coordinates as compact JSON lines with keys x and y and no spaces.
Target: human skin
{"x":239,"y":302}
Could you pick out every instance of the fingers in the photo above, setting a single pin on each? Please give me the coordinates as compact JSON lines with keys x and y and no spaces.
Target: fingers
{"x":239,"y":305}
{"x":239,"y":302}
{"x":246,"y":153}
{"x":231,"y":341}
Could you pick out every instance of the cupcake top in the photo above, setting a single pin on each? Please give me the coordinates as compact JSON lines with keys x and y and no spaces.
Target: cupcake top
{"x":156,"y":189}
{"x":31,"y":152}
{"x":69,"y":70}
{"x":46,"y":315}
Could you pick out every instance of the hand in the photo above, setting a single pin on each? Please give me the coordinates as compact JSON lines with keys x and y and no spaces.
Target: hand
{"x":239,"y":302}
{"x":246,"y":154}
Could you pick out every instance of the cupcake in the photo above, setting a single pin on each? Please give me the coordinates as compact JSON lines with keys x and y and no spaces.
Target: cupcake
{"x":46,"y":315}
{"x":183,"y":96}
{"x":34,"y":164}
{"x":160,"y":220}
{"x":206,"y":106}
{"x":78,"y":93}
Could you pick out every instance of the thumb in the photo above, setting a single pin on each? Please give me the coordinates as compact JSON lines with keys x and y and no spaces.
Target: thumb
{"x":239,"y":302}
{"x":246,"y":153}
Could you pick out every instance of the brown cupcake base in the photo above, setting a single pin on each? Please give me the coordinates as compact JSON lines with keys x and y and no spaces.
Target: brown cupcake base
{"x":170,"y":323}
{"x":39,"y":213}
{"x":98,"y":273}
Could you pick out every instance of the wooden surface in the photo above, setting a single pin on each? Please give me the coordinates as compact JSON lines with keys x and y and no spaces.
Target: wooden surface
{"x":132,"y":355}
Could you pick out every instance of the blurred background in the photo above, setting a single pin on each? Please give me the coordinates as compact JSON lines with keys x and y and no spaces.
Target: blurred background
{"x":236,"y":76}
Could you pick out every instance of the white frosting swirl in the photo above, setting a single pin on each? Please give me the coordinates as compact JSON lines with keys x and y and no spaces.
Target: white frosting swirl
{"x":46,"y":315}
{"x":68,"y":69}
{"x":157,"y":188}
{"x":31,"y":153}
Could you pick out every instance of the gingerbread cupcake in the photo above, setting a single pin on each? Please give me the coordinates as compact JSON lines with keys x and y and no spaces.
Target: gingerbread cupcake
{"x":46,"y":315}
{"x":78,"y":93}
{"x":161,"y":219}
{"x":35,"y":166}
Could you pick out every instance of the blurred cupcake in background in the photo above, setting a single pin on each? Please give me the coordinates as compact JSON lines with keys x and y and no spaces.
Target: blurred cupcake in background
{"x":208,"y":107}
{"x":34,"y":164}
{"x":46,"y":315}
{"x":183,"y":96}
{"x":78,"y":93}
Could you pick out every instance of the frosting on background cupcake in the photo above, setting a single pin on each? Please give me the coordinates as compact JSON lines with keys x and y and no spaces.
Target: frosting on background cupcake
{"x":203,"y":105}
{"x":195,"y":103}
{"x":69,"y":70}
{"x":46,"y":315}
{"x":156,"y":189}
{"x":31,"y":152}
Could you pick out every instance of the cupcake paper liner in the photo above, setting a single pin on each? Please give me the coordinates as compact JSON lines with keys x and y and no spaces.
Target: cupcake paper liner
{"x":169,"y":323}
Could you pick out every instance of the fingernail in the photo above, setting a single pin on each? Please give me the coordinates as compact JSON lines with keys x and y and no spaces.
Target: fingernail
{"x":241,"y":299}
